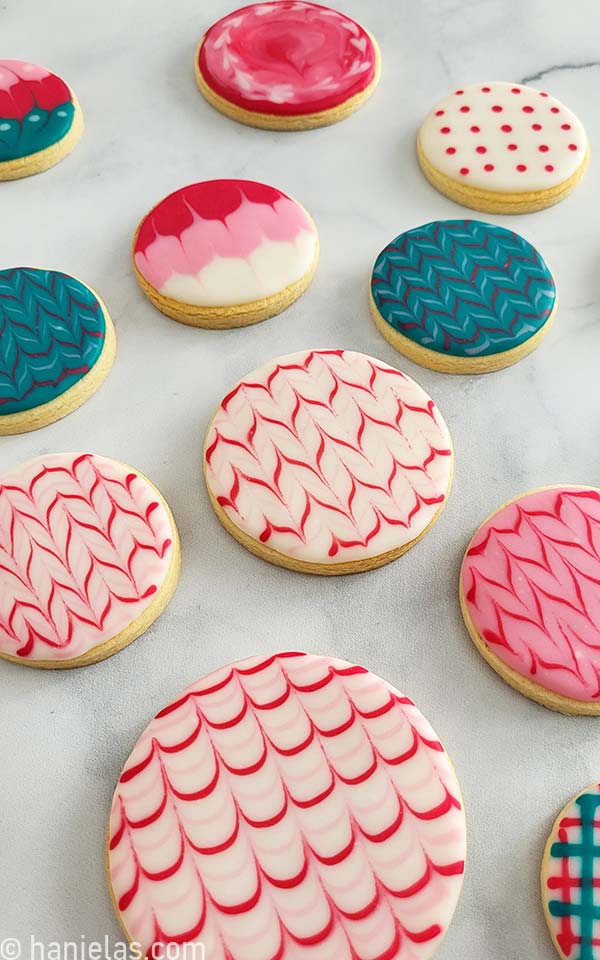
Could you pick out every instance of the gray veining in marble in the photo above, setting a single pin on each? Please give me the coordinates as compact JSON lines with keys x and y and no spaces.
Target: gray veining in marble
{"x":64,"y":736}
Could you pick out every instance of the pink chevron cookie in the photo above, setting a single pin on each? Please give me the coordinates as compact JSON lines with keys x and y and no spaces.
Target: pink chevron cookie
{"x":287,"y":65}
{"x":225,"y":253}
{"x":502,"y":148}
{"x":293,"y":807}
{"x":89,"y":557}
{"x":328,"y":461}
{"x":530,"y":596}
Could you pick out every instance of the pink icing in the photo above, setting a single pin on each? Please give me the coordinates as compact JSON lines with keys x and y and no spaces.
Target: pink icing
{"x":287,"y":57}
{"x":293,"y":807}
{"x":84,"y":546}
{"x":216,"y":219}
{"x":24,"y":86}
{"x":531,"y":580}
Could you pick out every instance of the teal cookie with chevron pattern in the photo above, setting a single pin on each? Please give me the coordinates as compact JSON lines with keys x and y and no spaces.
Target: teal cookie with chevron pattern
{"x":57,"y":344}
{"x":462,"y":296}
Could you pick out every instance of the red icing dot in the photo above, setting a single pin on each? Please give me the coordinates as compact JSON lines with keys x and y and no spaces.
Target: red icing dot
{"x":511,"y":146}
{"x":451,"y":150}
{"x":527,"y":109}
{"x":572,"y":146}
{"x":464,"y":171}
{"x":486,"y":89}
{"x":497,"y":108}
{"x":565,"y":126}
{"x":521,"y":167}
{"x":444,"y":129}
{"x":554,"y":110}
{"x":542,"y":94}
{"x":549,"y":167}
{"x":475,"y":129}
{"x":506,"y":128}
{"x":515,"y":90}
{"x":536,"y":126}
{"x":459,"y":93}
{"x":543,"y":148}
{"x":489,"y":167}
{"x":481,"y":149}
{"x":465,"y":109}
{"x":439,"y":113}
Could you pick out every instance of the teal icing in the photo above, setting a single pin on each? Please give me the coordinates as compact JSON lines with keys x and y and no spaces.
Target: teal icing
{"x":52,"y":332}
{"x":463,"y":288}
{"x":37,"y":130}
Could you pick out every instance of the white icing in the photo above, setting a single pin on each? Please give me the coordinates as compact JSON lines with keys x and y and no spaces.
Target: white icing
{"x":566,"y":148}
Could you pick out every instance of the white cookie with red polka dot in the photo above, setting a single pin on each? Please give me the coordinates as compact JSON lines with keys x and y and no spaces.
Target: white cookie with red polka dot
{"x":502,"y":148}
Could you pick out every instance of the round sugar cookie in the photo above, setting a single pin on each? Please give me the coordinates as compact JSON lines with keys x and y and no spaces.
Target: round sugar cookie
{"x":288,"y":806}
{"x":328,"y":462}
{"x":40,"y":119}
{"x":225,"y":253}
{"x":502,"y":148}
{"x":57,"y":345}
{"x":571,"y":878}
{"x":89,"y":558}
{"x":461,"y":296}
{"x":530,"y":596}
{"x":287,"y":65}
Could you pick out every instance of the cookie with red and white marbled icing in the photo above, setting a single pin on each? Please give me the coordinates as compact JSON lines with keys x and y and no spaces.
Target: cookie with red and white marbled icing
{"x":502,"y":148}
{"x":287,"y":65}
{"x":40,"y":119}
{"x":89,"y":557}
{"x":225,"y":253}
{"x":328,"y":461}
{"x":294,"y":807}
{"x":530,"y":595}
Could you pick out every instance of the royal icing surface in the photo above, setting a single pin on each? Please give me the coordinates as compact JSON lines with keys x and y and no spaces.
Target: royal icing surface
{"x":329,"y":456}
{"x":572,"y":878}
{"x":531,"y":581}
{"x":84,"y":546}
{"x":36,"y":109}
{"x":293,"y":807}
{"x":225,"y":242}
{"x":463,"y":288}
{"x":52,"y":331}
{"x":287,"y":57}
{"x":505,"y":137}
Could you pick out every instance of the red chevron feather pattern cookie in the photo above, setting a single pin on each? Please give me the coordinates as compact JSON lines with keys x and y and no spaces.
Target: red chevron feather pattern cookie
{"x":89,"y":557}
{"x":292,"y":807}
{"x":328,"y":461}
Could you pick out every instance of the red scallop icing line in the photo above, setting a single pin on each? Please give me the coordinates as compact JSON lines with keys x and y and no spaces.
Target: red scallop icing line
{"x":84,"y":545}
{"x":24,"y":86}
{"x":329,"y":455}
{"x":287,"y":807}
{"x":531,"y":580}
{"x":287,"y":57}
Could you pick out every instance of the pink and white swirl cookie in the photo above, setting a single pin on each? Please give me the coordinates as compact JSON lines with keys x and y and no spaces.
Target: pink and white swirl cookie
{"x":293,"y":807}
{"x":287,"y":65}
{"x":328,"y":461}
{"x":225,"y":253}
{"x":502,"y":148}
{"x":89,"y":558}
{"x":530,"y":596}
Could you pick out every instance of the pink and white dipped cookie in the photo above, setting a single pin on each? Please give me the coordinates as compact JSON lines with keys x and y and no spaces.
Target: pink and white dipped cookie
{"x":530,"y":596}
{"x":89,"y":558}
{"x":328,"y":462}
{"x":287,"y":65}
{"x":294,"y":807}
{"x":225,"y":253}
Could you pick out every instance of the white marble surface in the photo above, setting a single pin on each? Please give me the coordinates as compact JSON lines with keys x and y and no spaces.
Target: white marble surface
{"x":64,"y":736}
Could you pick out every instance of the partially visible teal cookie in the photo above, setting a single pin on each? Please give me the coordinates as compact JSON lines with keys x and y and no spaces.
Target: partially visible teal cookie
{"x":57,"y":344}
{"x":461,"y":296}
{"x":40,"y":119}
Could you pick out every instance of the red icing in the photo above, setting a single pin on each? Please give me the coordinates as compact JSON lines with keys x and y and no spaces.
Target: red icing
{"x":288,"y":57}
{"x":25,"y":86}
